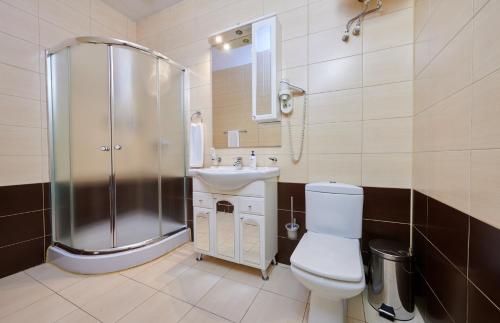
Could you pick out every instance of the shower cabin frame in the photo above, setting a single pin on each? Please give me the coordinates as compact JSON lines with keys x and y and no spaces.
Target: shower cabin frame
{"x":109,"y":42}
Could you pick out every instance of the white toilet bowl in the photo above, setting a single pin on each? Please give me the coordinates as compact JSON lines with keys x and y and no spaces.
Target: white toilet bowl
{"x":332,"y":268}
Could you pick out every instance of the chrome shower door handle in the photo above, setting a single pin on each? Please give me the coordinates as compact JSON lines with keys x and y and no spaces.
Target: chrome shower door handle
{"x":118,"y":147}
{"x":104,"y":148}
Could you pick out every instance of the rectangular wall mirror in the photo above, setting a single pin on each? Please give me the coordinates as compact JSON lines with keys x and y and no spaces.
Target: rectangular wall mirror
{"x":244,"y":84}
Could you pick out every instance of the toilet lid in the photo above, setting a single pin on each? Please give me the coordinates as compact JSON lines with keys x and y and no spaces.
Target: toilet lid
{"x":329,"y":256}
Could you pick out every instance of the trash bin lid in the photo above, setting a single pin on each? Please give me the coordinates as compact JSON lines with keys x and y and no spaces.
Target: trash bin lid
{"x":389,"y":249}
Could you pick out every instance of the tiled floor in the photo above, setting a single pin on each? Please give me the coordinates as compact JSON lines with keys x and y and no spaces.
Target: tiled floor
{"x":173,"y":288}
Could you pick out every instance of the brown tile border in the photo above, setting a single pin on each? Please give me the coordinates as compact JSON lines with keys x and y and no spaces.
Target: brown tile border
{"x":21,"y":256}
{"x":442,"y":244}
{"x":387,"y":204}
{"x":20,"y":198}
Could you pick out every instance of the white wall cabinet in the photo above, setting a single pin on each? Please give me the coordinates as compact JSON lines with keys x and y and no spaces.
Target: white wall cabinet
{"x":238,"y":226}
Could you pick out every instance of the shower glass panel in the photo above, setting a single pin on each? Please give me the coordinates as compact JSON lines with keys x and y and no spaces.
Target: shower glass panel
{"x":172,"y":148}
{"x":135,"y":146}
{"x":116,"y":144}
{"x":90,"y":139}
{"x":61,"y":175}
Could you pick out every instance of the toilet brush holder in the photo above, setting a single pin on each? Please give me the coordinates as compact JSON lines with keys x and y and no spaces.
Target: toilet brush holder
{"x":292,"y":230}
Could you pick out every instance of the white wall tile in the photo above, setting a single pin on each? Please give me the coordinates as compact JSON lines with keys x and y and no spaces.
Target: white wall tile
{"x":326,"y":45}
{"x":388,"y":65}
{"x":18,"y":23}
{"x":339,"y":74}
{"x":387,"y":135}
{"x":387,"y":170}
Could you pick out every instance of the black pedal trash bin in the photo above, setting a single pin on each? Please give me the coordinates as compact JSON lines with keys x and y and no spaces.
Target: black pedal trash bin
{"x":390,"y":289}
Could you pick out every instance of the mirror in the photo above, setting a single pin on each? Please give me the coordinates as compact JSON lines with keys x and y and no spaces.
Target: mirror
{"x":244,"y":100}
{"x":225,"y":229}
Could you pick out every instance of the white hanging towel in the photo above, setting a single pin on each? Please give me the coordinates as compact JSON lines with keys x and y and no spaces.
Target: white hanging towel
{"x":233,"y":138}
{"x":196,"y":144}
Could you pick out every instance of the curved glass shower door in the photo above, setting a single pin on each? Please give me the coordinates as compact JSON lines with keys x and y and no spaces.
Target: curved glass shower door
{"x":135,"y":146}
{"x":117,"y":145}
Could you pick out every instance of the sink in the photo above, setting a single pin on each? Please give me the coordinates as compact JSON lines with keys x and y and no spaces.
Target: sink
{"x":229,"y":178}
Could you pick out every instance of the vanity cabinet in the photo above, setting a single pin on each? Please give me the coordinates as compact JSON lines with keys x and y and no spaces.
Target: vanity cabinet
{"x":238,"y":226}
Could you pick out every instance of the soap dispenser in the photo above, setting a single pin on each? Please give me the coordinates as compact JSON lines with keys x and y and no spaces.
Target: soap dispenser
{"x":253,"y":160}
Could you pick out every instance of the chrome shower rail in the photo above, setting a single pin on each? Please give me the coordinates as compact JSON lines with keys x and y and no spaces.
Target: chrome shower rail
{"x":111,"y":41}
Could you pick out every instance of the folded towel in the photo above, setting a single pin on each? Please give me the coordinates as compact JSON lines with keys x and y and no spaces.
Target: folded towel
{"x":233,"y":138}
{"x":196,"y":144}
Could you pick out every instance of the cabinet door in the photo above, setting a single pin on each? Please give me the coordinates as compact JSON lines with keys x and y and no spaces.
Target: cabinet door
{"x":226,"y":210}
{"x":252,"y":240}
{"x":202,"y":229}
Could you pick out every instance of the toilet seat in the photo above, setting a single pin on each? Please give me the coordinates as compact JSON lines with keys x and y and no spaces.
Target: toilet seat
{"x":329,"y":257}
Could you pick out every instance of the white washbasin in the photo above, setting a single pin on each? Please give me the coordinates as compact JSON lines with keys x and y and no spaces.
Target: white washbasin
{"x":229,"y":178}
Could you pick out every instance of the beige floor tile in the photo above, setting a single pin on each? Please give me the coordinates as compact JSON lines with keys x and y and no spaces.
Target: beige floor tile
{"x":191,"y":285}
{"x":115,"y":303}
{"x":49,"y":309}
{"x":282,"y":281}
{"x":229,"y":299}
{"x":185,"y":255}
{"x":197,"y":315}
{"x":92,"y":287}
{"x":53,"y":277}
{"x":213,"y":265}
{"x":355,"y":308}
{"x":245,"y":275}
{"x":134,"y":271}
{"x":78,"y":316}
{"x":159,"y":308}
{"x":160,"y":273}
{"x":270,"y":307}
{"x":18,"y":291}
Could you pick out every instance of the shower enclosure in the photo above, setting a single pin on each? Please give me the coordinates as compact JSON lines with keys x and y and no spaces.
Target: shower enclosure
{"x":116,"y":122}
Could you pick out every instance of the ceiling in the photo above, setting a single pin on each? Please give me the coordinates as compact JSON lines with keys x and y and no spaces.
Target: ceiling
{"x":137,"y":9}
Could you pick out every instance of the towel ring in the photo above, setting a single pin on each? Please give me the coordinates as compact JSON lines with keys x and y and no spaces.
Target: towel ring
{"x":196,"y":114}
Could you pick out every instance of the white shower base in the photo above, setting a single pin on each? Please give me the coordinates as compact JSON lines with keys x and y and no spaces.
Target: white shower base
{"x":99,"y":264}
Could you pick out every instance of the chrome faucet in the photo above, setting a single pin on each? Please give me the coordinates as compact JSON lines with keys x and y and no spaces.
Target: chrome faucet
{"x":216,"y":160}
{"x":238,"y":162}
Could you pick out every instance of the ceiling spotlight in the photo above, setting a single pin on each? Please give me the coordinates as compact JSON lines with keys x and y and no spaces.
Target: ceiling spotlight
{"x":226,"y":46}
{"x":218,"y":39}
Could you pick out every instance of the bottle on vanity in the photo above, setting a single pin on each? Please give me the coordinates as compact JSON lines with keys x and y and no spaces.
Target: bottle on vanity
{"x":253,"y":160}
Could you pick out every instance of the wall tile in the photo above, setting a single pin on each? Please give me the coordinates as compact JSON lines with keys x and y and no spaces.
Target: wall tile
{"x":277,"y":6}
{"x":15,"y":111}
{"x":388,"y":65}
{"x":420,"y":204}
{"x":484,"y":192}
{"x":18,"y":52}
{"x":19,"y":82}
{"x":64,"y":16}
{"x":294,"y":52}
{"x":295,"y":190}
{"x":387,"y":204}
{"x":343,"y":168}
{"x":293,"y":23}
{"x":19,"y":141}
{"x":339,"y":74}
{"x":21,"y":256}
{"x":449,"y":178}
{"x":340,"y":137}
{"x":52,"y":35}
{"x":30,"y":6}
{"x":335,"y":106}
{"x":390,"y":30}
{"x":486,"y":113}
{"x":448,"y":229}
{"x":480,"y":309}
{"x":486,"y":48}
{"x":21,"y":227}
{"x":449,"y":285}
{"x":18,"y":23}
{"x":483,"y":265}
{"x":388,"y":101}
{"x":384,"y":230}
{"x":387,"y":135}
{"x":387,"y":170}
{"x":327,"y":14}
{"x":16,"y":170}
{"x":20,"y":198}
{"x":326,"y":45}
{"x":107,"y":16}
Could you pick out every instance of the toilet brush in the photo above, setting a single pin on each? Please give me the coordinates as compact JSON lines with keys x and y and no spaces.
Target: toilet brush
{"x":292,"y":228}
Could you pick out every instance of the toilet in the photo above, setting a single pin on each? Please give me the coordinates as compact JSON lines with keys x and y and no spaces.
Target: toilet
{"x":327,"y":259}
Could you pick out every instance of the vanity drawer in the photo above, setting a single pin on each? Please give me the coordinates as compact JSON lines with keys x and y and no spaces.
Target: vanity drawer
{"x":203,"y":200}
{"x":252,"y":205}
